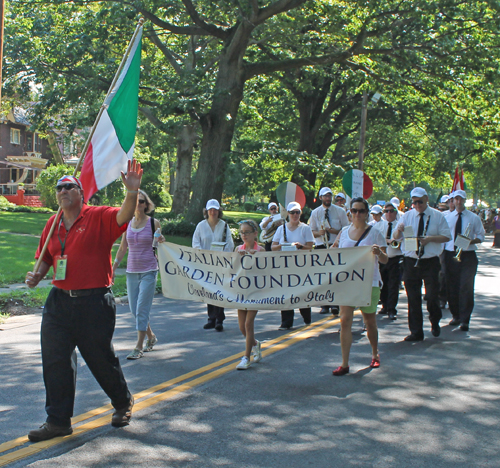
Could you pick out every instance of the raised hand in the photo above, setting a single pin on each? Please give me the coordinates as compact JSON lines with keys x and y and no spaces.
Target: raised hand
{"x":132,"y":180}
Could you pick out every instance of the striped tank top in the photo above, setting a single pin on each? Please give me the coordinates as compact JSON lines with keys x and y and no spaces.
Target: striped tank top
{"x":141,"y":258}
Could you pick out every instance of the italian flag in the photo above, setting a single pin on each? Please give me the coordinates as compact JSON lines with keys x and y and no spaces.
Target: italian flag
{"x":112,"y":142}
{"x":288,"y":192}
{"x":357,"y":184}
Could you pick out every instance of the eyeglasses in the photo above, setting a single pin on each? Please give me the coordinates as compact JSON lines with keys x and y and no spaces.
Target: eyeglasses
{"x":294,"y":212}
{"x":417,"y":202}
{"x":361,"y":211}
{"x":68,"y":187}
{"x":273,"y":208}
{"x":389,"y":211}
{"x":141,"y":201}
{"x":246,"y":233}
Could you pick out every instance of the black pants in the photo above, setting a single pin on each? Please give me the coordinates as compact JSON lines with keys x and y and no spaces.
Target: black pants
{"x":460,"y":277}
{"x":215,"y":314}
{"x":391,"y":276}
{"x":87,"y":323}
{"x":428,"y":272}
{"x":287,"y":317}
{"x":443,"y":296}
{"x":268,"y":245}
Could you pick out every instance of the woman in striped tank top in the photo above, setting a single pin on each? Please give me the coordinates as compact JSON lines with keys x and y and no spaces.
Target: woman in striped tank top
{"x":142,"y":270}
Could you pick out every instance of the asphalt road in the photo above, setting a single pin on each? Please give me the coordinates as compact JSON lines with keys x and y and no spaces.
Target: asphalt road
{"x":431,"y":404}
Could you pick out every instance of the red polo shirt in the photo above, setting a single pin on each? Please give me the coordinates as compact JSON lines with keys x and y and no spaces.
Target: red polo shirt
{"x":88,"y":247}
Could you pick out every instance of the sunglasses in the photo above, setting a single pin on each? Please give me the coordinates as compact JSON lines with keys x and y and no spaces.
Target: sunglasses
{"x":246,"y":233}
{"x":294,"y":212}
{"x":68,"y":187}
{"x":389,"y":211}
{"x":141,"y":201}
{"x":417,"y":202}
{"x":273,"y":208}
{"x":361,"y":211}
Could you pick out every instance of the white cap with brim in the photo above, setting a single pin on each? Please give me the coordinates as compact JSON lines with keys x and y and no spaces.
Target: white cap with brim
{"x":376,"y":209}
{"x":294,"y":206}
{"x":444,"y":198}
{"x":460,"y":193}
{"x":391,"y":203}
{"x":340,"y":195}
{"x":324,"y":191}
{"x":213,"y":203}
{"x":395,"y":202}
{"x":418,"y":192}
{"x":271,"y":205}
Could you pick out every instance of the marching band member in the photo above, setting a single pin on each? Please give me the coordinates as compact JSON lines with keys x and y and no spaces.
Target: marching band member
{"x":326,"y":221}
{"x":461,"y":265}
{"x":340,"y":200}
{"x":300,"y":235}
{"x":391,"y":271}
{"x":377,"y":222}
{"x":425,"y":230}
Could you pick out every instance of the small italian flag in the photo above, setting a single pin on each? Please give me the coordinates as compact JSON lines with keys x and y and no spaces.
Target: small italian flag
{"x":357,"y":184}
{"x":112,"y":142}
{"x":289,"y":192}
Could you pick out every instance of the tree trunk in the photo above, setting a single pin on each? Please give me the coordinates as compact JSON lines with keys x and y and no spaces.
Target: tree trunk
{"x":185,"y":144}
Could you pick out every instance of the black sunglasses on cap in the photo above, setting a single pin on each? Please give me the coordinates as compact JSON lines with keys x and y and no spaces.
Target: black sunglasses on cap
{"x":68,"y":187}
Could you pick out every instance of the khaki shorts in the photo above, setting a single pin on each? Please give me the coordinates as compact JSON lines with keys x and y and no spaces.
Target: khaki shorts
{"x":372,"y":308}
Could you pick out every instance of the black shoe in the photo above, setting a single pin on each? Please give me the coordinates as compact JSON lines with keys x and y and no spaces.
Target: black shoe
{"x":335,"y":310}
{"x":283,"y":327}
{"x":325,"y":310}
{"x":219,"y":326}
{"x":49,"y":431}
{"x":442,"y":304}
{"x":382,"y":311}
{"x":413,"y":337}
{"x":209,"y":325}
{"x":392,"y":317}
{"x":122,"y":416}
{"x":464,"y":326}
{"x":454,"y":322}
{"x":436,"y":330}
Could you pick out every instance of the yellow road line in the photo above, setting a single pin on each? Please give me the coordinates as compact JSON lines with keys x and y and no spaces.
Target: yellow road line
{"x":270,"y":346}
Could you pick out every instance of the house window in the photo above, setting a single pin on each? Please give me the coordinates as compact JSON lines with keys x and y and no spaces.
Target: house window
{"x":29,"y":141}
{"x":15,"y":136}
{"x":38,"y":143}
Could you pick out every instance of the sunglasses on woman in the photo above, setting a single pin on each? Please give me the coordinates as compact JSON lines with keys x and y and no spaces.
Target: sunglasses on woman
{"x":361,"y":211}
{"x":389,"y":211}
{"x":294,"y":212}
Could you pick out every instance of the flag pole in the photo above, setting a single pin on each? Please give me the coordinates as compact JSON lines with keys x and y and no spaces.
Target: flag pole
{"x":89,"y":139}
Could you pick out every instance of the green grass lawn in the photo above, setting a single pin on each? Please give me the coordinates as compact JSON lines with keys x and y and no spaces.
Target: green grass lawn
{"x":23,"y":223}
{"x":242,"y":215}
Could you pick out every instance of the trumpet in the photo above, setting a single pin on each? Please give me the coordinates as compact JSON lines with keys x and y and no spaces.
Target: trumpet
{"x":460,"y":250}
{"x":395,"y":244}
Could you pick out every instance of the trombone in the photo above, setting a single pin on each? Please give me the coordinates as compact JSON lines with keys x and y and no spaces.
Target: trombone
{"x":460,"y":250}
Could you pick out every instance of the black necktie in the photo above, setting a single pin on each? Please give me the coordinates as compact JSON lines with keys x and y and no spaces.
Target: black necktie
{"x":389,"y":231}
{"x":420,"y":231}
{"x":327,"y":223}
{"x":458,"y":226}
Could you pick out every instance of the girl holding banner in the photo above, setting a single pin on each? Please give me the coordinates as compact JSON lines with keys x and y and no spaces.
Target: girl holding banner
{"x":246,"y":318}
{"x":360,"y":233}
{"x":293,"y":235}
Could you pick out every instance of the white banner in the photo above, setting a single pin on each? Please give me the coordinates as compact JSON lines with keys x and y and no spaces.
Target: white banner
{"x":267,"y":280}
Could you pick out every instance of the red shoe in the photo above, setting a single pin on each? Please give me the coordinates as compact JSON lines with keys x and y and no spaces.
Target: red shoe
{"x":341,"y":370}
{"x":375,"y":363}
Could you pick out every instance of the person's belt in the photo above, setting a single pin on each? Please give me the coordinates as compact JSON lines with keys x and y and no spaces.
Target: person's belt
{"x":84,"y":292}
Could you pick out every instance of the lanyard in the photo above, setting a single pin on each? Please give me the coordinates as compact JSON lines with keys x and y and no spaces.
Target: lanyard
{"x":63,"y":244}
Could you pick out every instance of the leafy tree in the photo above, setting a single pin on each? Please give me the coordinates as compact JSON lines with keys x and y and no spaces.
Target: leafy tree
{"x":47,"y":182}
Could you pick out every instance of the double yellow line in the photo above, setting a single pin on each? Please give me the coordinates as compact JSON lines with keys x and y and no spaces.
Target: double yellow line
{"x":99,"y":417}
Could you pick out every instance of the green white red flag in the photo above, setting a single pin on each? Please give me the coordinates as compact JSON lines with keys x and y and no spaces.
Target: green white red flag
{"x":112,"y":143}
{"x":357,"y":184}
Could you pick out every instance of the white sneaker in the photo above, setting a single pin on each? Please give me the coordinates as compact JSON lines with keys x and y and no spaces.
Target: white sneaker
{"x":244,"y":364}
{"x":257,"y":352}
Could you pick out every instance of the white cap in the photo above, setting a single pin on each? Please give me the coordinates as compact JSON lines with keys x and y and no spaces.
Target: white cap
{"x":418,"y":192}
{"x":340,"y":195}
{"x":460,"y":193}
{"x":395,"y":202}
{"x":392,"y":203}
{"x":294,"y":206}
{"x":444,"y":198}
{"x":271,"y":205}
{"x":324,"y":191}
{"x":451,"y":195}
{"x":213,"y":203}
{"x":377,"y":209}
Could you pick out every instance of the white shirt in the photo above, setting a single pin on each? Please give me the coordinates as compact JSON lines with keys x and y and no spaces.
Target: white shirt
{"x":204,"y":236}
{"x":373,"y":237}
{"x":337,"y":219}
{"x":302,"y":234}
{"x":437,"y":227}
{"x":476,"y":228}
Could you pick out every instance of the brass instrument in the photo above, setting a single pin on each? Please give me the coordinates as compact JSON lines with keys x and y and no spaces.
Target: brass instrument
{"x":421,"y":247}
{"x":395,"y":244}
{"x":460,"y":250}
{"x":268,"y":234}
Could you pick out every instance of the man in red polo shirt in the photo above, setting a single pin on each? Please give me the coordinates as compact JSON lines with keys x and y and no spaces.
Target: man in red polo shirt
{"x":80,"y":309}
